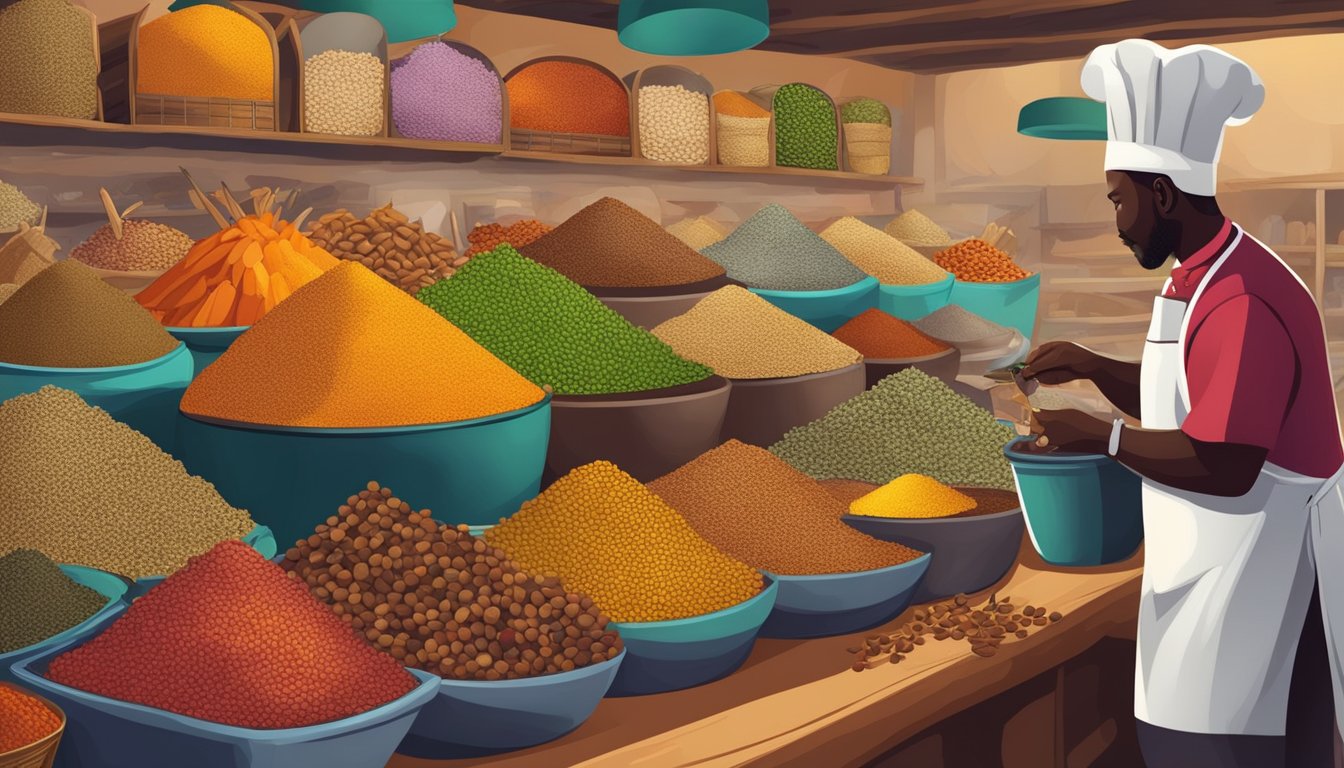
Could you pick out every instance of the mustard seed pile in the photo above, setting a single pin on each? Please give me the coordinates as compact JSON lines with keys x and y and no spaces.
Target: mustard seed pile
{"x":441,"y":600}
{"x":48,"y":61}
{"x":40,"y":600}
{"x":775,"y":251}
{"x":343,"y":93}
{"x":984,"y":628}
{"x":85,"y":489}
{"x":914,"y":227}
{"x":698,"y":233}
{"x":15,"y":207}
{"x":881,"y":255}
{"x":143,"y":246}
{"x":742,"y":336}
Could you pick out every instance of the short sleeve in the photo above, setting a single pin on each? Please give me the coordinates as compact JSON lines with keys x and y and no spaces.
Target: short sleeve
{"x":1241,"y":369}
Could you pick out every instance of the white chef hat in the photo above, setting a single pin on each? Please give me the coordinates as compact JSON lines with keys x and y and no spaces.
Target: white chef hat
{"x":1165,"y":109}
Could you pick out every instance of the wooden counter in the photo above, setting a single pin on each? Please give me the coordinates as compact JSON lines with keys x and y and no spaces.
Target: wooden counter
{"x":797,"y":702}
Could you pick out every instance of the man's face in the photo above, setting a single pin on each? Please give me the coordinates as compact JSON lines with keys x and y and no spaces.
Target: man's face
{"x":1143,"y":229}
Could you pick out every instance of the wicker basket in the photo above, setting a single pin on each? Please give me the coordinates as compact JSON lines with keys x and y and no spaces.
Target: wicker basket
{"x":529,"y":140}
{"x":745,"y":141}
{"x":868,"y":147}
{"x":39,"y":754}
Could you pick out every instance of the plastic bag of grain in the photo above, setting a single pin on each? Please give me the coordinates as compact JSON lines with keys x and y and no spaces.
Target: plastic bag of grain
{"x":867,"y":124}
{"x":743,"y":130}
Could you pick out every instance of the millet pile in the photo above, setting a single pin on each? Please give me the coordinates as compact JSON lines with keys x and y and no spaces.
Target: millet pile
{"x":881,"y":255}
{"x":775,"y":251}
{"x":984,"y":628}
{"x":401,"y":251}
{"x":144,"y":246}
{"x":15,"y":207}
{"x":40,"y":600}
{"x":46,"y":53}
{"x":698,"y":233}
{"x":916,"y":228}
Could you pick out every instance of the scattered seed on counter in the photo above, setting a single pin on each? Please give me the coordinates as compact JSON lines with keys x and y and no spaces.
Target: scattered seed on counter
{"x":441,"y":600}
{"x":975,"y":261}
{"x":487,"y":237}
{"x":554,"y":332}
{"x":914,"y":227}
{"x":293,"y":368}
{"x":909,"y":422}
{"x":673,"y":124}
{"x":606,"y":535}
{"x":881,"y":255}
{"x":256,"y":649}
{"x":40,"y":600}
{"x":913,"y":496}
{"x":144,"y":246}
{"x":958,"y":326}
{"x":441,"y":93}
{"x":343,"y":93}
{"x":775,"y":251}
{"x":610,"y":245}
{"x":742,"y":336}
{"x":806,"y":135}
{"x":697,"y":233}
{"x":568,"y":97}
{"x":206,"y":50}
{"x":67,"y":317}
{"x":865,"y":110}
{"x":879,"y":336}
{"x":7,"y":290}
{"x":27,"y":719}
{"x":985,"y":628}
{"x":15,"y":207}
{"x":46,"y":53}
{"x":399,"y":250}
{"x":85,"y":489}
{"x":758,"y":509}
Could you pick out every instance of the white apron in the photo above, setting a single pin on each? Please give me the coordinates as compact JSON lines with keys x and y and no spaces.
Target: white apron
{"x":1226,"y":580}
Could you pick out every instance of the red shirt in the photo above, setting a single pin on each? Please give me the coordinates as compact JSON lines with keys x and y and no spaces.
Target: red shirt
{"x":1256,"y":360}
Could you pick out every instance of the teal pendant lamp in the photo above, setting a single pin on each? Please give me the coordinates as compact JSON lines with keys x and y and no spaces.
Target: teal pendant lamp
{"x":403,"y":19}
{"x":1071,"y":118}
{"x":692,"y":27}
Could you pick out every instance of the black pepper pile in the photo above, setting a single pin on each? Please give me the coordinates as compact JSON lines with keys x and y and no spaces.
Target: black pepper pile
{"x":40,"y":601}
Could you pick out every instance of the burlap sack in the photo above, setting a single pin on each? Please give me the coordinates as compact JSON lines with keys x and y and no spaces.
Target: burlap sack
{"x":868,"y":146}
{"x":743,"y":141}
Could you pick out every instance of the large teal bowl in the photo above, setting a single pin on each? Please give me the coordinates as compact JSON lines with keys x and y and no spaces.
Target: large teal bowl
{"x":1081,"y":509}
{"x":1012,"y":305}
{"x":911,"y":302}
{"x":291,"y":478}
{"x":840,"y":603}
{"x":665,"y":656}
{"x":206,"y":344}
{"x":260,"y":539}
{"x":826,"y":310}
{"x":144,"y":395}
{"x":109,"y":586}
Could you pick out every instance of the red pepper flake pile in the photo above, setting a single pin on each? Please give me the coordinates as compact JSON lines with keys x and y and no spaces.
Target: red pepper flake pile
{"x":24,"y":719}
{"x":232,"y":639}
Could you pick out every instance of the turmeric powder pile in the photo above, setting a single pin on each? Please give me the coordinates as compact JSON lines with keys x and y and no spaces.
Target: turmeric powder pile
{"x":206,"y":50}
{"x":913,"y":496}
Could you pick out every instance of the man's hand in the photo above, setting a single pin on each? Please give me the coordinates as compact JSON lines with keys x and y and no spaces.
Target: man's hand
{"x":1072,"y":431}
{"x":1059,"y":362}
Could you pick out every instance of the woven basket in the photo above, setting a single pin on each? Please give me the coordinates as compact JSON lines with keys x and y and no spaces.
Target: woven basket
{"x":868,"y":146}
{"x":743,"y":141}
{"x":41,"y":753}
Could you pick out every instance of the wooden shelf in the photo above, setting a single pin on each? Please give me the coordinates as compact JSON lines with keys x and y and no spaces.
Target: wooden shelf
{"x":769,"y":172}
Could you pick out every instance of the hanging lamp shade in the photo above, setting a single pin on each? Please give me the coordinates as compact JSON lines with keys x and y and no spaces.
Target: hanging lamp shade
{"x":403,"y":19}
{"x":692,"y":27}
{"x":1064,"y":117}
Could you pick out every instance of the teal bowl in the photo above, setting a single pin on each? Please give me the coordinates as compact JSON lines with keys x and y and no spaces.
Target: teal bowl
{"x":291,"y":478}
{"x":144,"y":395}
{"x":206,"y":344}
{"x":112,"y":587}
{"x":260,"y":539}
{"x":826,"y":310}
{"x":671,"y":655}
{"x":1012,"y":305}
{"x":1081,"y":509}
{"x":911,"y":302}
{"x":839,"y":603}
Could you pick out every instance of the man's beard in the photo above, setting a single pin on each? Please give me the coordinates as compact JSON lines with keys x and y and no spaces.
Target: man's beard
{"x":1153,"y":254}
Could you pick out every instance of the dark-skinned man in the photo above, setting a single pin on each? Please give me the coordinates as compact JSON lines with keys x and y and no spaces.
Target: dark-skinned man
{"x":1239,"y":448}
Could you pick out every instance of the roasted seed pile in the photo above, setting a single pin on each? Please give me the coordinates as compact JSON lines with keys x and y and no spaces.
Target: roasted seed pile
{"x":206,"y":50}
{"x":441,"y":93}
{"x":865,"y":110}
{"x":67,"y":317}
{"x":912,"y":496}
{"x":881,"y":255}
{"x":914,"y":227}
{"x":15,"y":207}
{"x":698,"y":233}
{"x":753,"y":506}
{"x":984,"y":628}
{"x":487,"y":237}
{"x":86,"y":489}
{"x":975,"y":261}
{"x":742,"y":336}
{"x":40,"y":600}
{"x":673,"y":124}
{"x":143,"y":246}
{"x":48,"y":61}
{"x":909,"y":422}
{"x":343,"y":93}
{"x":958,"y":326}
{"x":611,"y":245}
{"x":442,"y":600}
{"x":401,"y":251}
{"x":775,"y":251}
{"x":568,"y":97}
{"x":805,"y":132}
{"x":554,"y":332}
{"x":606,"y":535}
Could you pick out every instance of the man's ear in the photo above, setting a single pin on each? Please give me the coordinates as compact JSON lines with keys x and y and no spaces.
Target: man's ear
{"x":1164,"y":195}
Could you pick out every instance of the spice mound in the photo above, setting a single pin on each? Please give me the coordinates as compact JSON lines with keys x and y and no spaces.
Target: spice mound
{"x":750,"y":504}
{"x":441,"y":600}
{"x":881,"y":255}
{"x":880,"y":336}
{"x":775,"y":251}
{"x":984,"y":628}
{"x":975,"y":261}
{"x":206,"y":50}
{"x":25,"y":253}
{"x":698,"y":233}
{"x":15,"y":207}
{"x":40,"y":600}
{"x":611,"y":245}
{"x":487,"y":237}
{"x":232,"y":639}
{"x":913,"y":496}
{"x":959,"y":326}
{"x":441,"y":93}
{"x":553,"y":331}
{"x":605,"y":534}
{"x":343,"y":93}
{"x":399,"y":250}
{"x":742,"y":336}
{"x":27,"y":719}
{"x":143,"y":246}
{"x":50,"y":61}
{"x":568,"y":97}
{"x":67,"y":317}
{"x":916,"y":228}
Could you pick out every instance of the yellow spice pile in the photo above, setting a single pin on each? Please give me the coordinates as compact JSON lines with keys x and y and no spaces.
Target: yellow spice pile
{"x":914,"y":227}
{"x":698,"y":232}
{"x":881,"y":255}
{"x":206,"y":50}
{"x":913,"y":496}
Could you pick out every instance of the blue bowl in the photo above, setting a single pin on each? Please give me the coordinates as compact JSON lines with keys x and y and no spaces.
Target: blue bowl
{"x":144,"y":395}
{"x":259,"y":539}
{"x":911,"y":302}
{"x":108,"y":733}
{"x":206,"y":344}
{"x":1081,"y":509}
{"x":472,"y":718}
{"x":292,"y":478}
{"x":840,"y":603}
{"x":109,"y":586}
{"x":1012,"y":305}
{"x":683,"y":653}
{"x":826,"y":310}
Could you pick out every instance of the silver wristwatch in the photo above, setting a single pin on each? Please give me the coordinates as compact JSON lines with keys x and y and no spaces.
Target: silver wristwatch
{"x":1113,"y":447}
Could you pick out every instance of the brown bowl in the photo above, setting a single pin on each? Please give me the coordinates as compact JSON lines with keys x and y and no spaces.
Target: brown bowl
{"x":41,"y":753}
{"x":940,"y":365}
{"x":760,"y":411}
{"x":649,"y":307}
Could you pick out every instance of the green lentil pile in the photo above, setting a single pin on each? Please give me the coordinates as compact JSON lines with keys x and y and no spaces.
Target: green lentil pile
{"x":775,"y":251}
{"x":85,"y":489}
{"x":47,"y":57}
{"x":909,"y":423}
{"x":15,"y":207}
{"x":805,"y":132}
{"x":865,"y":110}
{"x":552,"y":331}
{"x":40,"y":600}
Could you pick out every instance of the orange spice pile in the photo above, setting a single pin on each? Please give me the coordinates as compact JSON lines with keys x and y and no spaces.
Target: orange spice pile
{"x":975,"y":261}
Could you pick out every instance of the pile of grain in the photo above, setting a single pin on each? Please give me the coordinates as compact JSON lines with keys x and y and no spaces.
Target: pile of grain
{"x":48,"y":61}
{"x":401,"y":251}
{"x":144,"y":246}
{"x":806,"y":135}
{"x":915,"y":228}
{"x":487,"y":237}
{"x":975,"y":261}
{"x":959,"y":326}
{"x":879,"y":336}
{"x":912,"y":496}
{"x":441,"y":93}
{"x":40,"y":600}
{"x":206,"y":50}
{"x":343,"y":93}
{"x":881,"y":255}
{"x":775,"y":251}
{"x":673,"y":124}
{"x":697,"y":233}
{"x":15,"y":207}
{"x":568,"y":97}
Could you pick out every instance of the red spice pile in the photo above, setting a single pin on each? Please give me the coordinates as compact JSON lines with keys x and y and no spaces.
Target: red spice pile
{"x":881,"y":336}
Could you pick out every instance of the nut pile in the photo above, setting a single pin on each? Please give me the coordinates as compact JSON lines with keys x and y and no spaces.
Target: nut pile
{"x":881,"y":255}
{"x":697,"y":233}
{"x":40,"y":600}
{"x":806,"y":135}
{"x":487,"y":237}
{"x":984,"y":628}
{"x":673,"y":124}
{"x":143,"y":246}
{"x":918,"y":229}
{"x":343,"y":93}
{"x":568,"y":97}
{"x":775,"y":251}
{"x":975,"y":261}
{"x":401,"y":251}
{"x":46,"y":53}
{"x":439,"y":599}
{"x":15,"y":207}
{"x":441,"y":93}
{"x":743,"y":130}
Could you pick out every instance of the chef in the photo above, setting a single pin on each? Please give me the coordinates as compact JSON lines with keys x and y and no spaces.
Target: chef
{"x":1239,"y":448}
